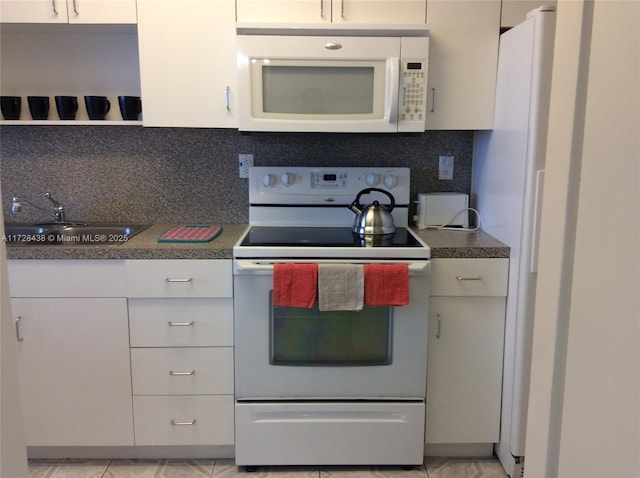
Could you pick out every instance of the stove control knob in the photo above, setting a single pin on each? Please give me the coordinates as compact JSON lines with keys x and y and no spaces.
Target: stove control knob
{"x":269,"y":180}
{"x":391,"y":181}
{"x":288,"y":179}
{"x":373,"y":179}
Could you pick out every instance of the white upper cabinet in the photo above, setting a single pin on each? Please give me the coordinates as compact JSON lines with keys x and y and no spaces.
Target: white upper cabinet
{"x":284,"y":11}
{"x":35,"y":11}
{"x":376,"y":11}
{"x":102,"y":11}
{"x":327,"y":11}
{"x":188,"y":63}
{"x":68,"y":11}
{"x":463,"y":57}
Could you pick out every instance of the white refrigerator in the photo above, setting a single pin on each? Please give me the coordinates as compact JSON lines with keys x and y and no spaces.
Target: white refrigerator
{"x":508,"y":182}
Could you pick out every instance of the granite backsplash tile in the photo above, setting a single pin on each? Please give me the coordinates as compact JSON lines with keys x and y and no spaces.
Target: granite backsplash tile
{"x":137,"y":174}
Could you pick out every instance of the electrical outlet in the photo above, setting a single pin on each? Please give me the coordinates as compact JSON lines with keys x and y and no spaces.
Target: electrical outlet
{"x":446,"y":167}
{"x":245,"y":161}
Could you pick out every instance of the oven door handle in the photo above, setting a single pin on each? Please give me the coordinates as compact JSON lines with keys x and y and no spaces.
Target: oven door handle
{"x":266,"y":268}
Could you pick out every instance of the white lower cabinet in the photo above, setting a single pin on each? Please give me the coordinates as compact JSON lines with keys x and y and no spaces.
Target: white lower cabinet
{"x":181,"y":337}
{"x":182,"y":371}
{"x":465,"y":350}
{"x":184,"y":420}
{"x":73,"y":357}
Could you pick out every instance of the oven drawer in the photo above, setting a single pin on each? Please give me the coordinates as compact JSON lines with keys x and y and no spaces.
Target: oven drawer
{"x":181,"y":322}
{"x":324,"y":433}
{"x":184,"y":370}
{"x":469,"y":277}
{"x":179,"y":278}
{"x":184,"y":420}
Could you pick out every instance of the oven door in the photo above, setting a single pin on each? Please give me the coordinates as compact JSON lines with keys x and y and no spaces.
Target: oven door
{"x":286,"y":353}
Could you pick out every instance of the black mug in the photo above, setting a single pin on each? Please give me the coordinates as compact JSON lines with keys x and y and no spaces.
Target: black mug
{"x":130,"y":107}
{"x":97,"y":107}
{"x":11,"y":107}
{"x":67,"y":107}
{"x":39,"y":107}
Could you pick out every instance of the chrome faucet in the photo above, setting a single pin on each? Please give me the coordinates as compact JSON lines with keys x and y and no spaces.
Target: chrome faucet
{"x":58,"y":208}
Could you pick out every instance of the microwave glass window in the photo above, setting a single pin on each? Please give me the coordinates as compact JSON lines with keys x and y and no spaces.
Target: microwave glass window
{"x":318,"y":90}
{"x":310,"y":337}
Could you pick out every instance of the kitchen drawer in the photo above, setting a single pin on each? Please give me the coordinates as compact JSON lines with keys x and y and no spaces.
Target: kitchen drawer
{"x":62,"y":278}
{"x":179,"y":278}
{"x":181,"y":322}
{"x":183,"y":420}
{"x":182,"y":371}
{"x":469,"y":277}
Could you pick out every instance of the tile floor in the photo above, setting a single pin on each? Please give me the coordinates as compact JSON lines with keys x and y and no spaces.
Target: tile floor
{"x":226,"y":468}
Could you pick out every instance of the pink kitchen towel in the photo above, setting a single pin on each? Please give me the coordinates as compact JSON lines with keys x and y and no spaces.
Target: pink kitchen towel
{"x":386,"y":284}
{"x":295,"y":285}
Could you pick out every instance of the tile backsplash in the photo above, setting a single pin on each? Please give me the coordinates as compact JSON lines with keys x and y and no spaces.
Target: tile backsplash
{"x":137,"y":174}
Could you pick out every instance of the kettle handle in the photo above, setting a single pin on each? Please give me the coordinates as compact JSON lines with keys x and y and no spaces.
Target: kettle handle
{"x":356,"y":201}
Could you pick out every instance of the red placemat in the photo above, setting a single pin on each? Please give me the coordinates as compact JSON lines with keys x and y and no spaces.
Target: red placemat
{"x":191,"y":233}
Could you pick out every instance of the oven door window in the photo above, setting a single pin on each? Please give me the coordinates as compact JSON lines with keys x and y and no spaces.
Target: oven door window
{"x":310,"y":337}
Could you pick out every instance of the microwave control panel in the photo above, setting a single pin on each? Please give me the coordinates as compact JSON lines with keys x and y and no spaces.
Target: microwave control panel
{"x":413,"y":94}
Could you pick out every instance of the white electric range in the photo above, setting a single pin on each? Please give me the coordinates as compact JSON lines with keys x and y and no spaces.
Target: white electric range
{"x":317,"y":387}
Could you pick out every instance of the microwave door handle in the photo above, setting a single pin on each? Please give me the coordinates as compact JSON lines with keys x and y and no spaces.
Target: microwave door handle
{"x":394,"y":92}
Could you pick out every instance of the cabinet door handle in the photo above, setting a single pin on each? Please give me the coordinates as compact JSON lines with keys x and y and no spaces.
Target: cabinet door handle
{"x":18,"y":336}
{"x":172,"y":280}
{"x":433,"y":100}
{"x":181,"y":374}
{"x":75,"y":8}
{"x":439,"y":325}
{"x":53,"y":5}
{"x":181,"y":324}
{"x":182,"y":424}
{"x":342,"y":9}
{"x":227,"y":99}
{"x":322,"y":8}
{"x":469,"y":278}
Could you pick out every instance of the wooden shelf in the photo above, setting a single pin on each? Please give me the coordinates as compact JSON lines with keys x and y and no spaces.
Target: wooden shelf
{"x":71,"y":122}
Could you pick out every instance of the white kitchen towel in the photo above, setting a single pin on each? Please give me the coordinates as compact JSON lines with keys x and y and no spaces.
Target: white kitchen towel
{"x":340,"y":287}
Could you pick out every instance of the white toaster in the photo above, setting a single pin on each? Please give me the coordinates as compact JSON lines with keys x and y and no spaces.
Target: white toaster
{"x":438,"y":209}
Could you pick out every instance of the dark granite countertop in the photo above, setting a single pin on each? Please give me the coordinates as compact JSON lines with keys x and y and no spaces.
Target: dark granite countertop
{"x":444,"y":244}
{"x":142,"y":246}
{"x":463,"y":244}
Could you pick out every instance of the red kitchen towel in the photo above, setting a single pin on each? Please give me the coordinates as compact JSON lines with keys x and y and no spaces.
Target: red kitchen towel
{"x":295,"y":285}
{"x":386,"y":284}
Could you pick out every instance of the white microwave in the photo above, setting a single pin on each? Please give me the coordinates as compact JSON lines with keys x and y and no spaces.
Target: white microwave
{"x":342,"y":84}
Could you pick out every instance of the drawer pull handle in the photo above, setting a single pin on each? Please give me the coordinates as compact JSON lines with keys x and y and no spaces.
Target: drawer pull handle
{"x":183,"y":424}
{"x":469,"y":278}
{"x":181,"y":374}
{"x":172,"y":280}
{"x":17,"y":322}
{"x":181,"y":324}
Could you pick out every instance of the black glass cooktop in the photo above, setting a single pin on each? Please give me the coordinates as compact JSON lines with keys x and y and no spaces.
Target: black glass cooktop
{"x":324,"y":237}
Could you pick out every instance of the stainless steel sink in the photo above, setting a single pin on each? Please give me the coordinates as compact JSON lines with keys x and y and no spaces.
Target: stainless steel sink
{"x":70,"y":234}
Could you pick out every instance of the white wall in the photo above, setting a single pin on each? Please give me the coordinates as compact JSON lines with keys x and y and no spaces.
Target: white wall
{"x":584,"y":413}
